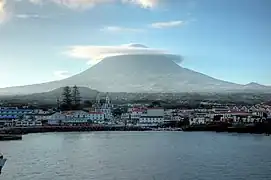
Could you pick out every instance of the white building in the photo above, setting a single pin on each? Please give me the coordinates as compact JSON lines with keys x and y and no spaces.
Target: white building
{"x":13,"y":116}
{"x":27,"y":123}
{"x":97,"y":117}
{"x":152,"y":117}
{"x":74,"y":117}
{"x":200,"y":118}
{"x":56,"y":118}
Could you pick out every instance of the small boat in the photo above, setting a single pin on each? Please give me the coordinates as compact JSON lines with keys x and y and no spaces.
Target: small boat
{"x":2,"y":162}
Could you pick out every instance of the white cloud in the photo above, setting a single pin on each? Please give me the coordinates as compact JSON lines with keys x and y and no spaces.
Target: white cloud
{"x":119,"y":29}
{"x":168,"y":24}
{"x":84,"y":4}
{"x":31,"y":16}
{"x":78,"y":5}
{"x":36,"y":1}
{"x":94,"y":54}
{"x":143,"y":3}
{"x":61,"y":74}
{"x":3,"y":12}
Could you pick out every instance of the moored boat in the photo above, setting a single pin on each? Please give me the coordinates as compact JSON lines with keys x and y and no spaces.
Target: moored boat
{"x":2,"y":162}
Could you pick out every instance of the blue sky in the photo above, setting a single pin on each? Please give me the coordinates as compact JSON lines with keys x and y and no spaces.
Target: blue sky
{"x":226,"y":39}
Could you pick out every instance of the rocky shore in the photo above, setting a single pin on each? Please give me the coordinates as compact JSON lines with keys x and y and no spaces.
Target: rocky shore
{"x":257,"y":128}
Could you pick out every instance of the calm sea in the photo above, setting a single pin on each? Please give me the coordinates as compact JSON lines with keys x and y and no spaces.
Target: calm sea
{"x":138,"y":156}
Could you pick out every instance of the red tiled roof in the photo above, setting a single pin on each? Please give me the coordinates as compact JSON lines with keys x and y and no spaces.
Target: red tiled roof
{"x":138,"y":109}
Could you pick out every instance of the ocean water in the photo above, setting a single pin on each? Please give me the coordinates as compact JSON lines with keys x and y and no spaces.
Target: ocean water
{"x":138,"y":156}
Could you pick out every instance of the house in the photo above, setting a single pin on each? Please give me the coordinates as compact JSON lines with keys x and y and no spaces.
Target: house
{"x":245,"y":109}
{"x":199,"y":118}
{"x":135,"y":114}
{"x":96,"y":117}
{"x":56,"y":118}
{"x":75,"y":117}
{"x":10,"y":115}
{"x":14,"y":112}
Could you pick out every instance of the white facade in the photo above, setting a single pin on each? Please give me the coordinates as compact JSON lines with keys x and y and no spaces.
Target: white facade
{"x":76,"y":117}
{"x":56,"y":118}
{"x":97,"y":117}
{"x":27,"y":123}
{"x":197,"y":120}
{"x":151,"y":120}
{"x":20,"y":117}
{"x":152,"y":117}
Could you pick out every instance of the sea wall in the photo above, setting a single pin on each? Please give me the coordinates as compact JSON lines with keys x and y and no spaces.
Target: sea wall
{"x":42,"y":129}
{"x":257,"y":128}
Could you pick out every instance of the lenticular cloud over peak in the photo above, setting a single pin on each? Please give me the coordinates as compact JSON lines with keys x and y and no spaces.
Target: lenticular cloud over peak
{"x":94,"y":54}
{"x":135,"y":45}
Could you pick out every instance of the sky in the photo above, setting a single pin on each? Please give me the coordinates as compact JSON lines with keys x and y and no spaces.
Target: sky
{"x":46,"y":40}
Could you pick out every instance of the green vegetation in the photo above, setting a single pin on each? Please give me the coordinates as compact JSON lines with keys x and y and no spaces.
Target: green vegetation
{"x":76,"y":98}
{"x":66,"y":99}
{"x":71,"y":99}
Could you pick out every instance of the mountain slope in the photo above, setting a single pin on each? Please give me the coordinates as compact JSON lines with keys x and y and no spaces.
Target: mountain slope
{"x":139,"y":73}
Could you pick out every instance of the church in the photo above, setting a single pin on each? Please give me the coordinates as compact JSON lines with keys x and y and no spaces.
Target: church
{"x":105,"y":108}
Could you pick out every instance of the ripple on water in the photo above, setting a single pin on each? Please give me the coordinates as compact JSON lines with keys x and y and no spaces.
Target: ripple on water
{"x":138,"y":156}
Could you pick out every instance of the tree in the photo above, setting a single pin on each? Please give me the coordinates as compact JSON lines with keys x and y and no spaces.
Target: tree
{"x":87,"y":103}
{"x":66,"y":98}
{"x":76,"y":98}
{"x":117,"y":112}
{"x":155,"y":104}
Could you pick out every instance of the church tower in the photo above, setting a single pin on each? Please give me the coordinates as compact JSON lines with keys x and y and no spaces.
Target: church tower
{"x":98,"y":100}
{"x":107,"y":99}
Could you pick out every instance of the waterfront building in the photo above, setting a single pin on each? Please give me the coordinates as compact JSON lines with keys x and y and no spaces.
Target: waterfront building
{"x":126,"y":118}
{"x":199,"y":118}
{"x":152,"y":117}
{"x":14,"y":112}
{"x":27,"y":123}
{"x":96,"y":117}
{"x":136,"y":113}
{"x":9,"y":115}
{"x":56,"y":118}
{"x":75,"y":117}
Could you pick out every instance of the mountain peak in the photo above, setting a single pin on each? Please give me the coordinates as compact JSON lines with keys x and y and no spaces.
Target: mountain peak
{"x":253,"y":84}
{"x":134,"y":45}
{"x":141,"y":73}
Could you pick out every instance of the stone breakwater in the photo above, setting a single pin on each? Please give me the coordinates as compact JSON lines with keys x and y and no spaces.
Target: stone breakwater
{"x":43,"y":129}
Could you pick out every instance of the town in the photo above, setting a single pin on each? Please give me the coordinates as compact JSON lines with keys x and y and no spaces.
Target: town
{"x":152,"y":116}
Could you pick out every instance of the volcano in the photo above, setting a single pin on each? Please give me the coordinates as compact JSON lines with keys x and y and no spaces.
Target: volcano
{"x":140,"y":73}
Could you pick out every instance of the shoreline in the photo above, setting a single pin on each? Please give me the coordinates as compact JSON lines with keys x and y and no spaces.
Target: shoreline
{"x":44,"y":129}
{"x":15,"y":133}
{"x":258,"y":128}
